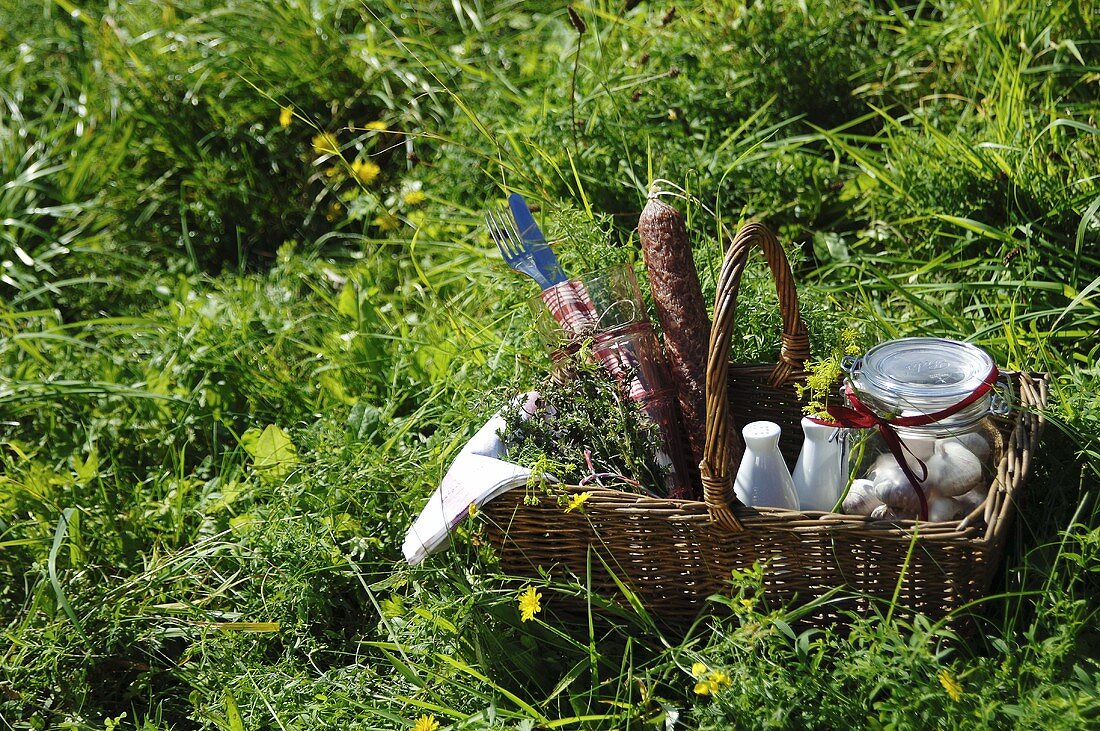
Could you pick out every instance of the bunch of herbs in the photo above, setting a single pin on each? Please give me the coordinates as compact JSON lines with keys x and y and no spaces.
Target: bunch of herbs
{"x":585,"y":424}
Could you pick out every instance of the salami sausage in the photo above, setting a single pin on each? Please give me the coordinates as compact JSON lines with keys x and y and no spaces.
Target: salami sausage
{"x":681,"y":311}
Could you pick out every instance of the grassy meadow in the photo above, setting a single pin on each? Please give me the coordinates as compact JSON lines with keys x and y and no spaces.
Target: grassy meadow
{"x":249,"y":313}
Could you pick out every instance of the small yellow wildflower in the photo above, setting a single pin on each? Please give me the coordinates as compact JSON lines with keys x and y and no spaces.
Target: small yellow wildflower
{"x":950,"y":685}
{"x":378,"y":125}
{"x":529,"y":604}
{"x":414,"y":198}
{"x":286,"y":116}
{"x":333,"y":212}
{"x":747,"y":603}
{"x":365,"y":171}
{"x":326,"y":144}
{"x":706,"y":687}
{"x":332,"y":171}
{"x":472,"y":510}
{"x":387,"y":222}
{"x":426,"y":723}
{"x":709,"y":681}
{"x":576,"y":502}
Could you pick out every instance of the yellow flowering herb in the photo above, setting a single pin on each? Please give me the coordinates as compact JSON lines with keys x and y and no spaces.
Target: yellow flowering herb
{"x":334,"y":211}
{"x":286,"y":116}
{"x":822,"y":376}
{"x":426,"y":723}
{"x":703,"y":687}
{"x":848,"y":340}
{"x":577,"y":501}
{"x":699,"y":670}
{"x":326,"y":144}
{"x":378,"y":125}
{"x":414,"y":198}
{"x":950,"y":684}
{"x":529,"y":604}
{"x":472,"y":510}
{"x":365,"y":171}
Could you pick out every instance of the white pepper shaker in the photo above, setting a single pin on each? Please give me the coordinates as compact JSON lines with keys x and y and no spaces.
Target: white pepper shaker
{"x":763,"y":479}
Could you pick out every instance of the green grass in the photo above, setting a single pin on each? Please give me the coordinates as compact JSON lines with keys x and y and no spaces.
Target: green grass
{"x":234,"y":362}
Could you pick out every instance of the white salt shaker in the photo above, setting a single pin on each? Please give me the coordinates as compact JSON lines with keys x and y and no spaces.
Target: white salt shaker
{"x":822,"y":468}
{"x":763,"y":479}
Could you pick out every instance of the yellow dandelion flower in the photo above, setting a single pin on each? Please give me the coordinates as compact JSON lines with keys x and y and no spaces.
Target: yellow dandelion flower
{"x":705,"y":687}
{"x":365,"y":171}
{"x":577,"y":501}
{"x":378,"y":125}
{"x":426,"y":723}
{"x":326,"y":144}
{"x":950,"y":685}
{"x":414,"y":197}
{"x":720,"y":679}
{"x":709,"y":681}
{"x":286,"y":116}
{"x":529,"y":604}
{"x":334,"y":211}
{"x":387,"y":222}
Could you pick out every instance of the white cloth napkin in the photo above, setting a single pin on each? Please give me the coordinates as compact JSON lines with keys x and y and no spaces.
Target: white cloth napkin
{"x":478,"y":474}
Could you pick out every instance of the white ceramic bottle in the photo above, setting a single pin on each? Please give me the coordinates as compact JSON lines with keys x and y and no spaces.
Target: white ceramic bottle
{"x":822,"y":469}
{"x":763,"y":479}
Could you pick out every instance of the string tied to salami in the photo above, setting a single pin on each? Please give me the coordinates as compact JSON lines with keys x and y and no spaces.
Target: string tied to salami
{"x":858,"y":415}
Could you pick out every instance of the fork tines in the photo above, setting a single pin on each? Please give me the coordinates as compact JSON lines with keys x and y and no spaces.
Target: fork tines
{"x":505,"y":235}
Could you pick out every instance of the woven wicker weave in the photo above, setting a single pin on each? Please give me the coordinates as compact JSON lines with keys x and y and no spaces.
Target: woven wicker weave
{"x":673,"y":554}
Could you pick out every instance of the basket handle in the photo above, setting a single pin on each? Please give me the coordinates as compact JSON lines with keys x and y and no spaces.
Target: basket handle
{"x":721,"y":446}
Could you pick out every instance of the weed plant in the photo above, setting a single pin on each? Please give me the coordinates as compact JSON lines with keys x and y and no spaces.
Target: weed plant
{"x":250,"y":314}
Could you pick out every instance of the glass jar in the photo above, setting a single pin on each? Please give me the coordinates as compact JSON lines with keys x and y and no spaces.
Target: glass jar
{"x":926,"y":403}
{"x":600,"y":302}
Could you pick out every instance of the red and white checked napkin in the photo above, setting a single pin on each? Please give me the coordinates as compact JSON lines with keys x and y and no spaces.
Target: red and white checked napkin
{"x":571,"y":305}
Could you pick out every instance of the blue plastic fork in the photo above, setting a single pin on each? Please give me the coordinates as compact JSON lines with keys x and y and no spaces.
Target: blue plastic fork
{"x":518,"y":254}
{"x":529,"y":231}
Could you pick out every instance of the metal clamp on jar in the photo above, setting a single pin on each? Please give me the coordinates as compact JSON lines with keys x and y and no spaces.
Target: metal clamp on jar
{"x":931,"y":449}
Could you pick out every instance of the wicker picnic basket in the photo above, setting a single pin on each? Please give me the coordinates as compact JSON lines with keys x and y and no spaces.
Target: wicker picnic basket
{"x":674,"y":554}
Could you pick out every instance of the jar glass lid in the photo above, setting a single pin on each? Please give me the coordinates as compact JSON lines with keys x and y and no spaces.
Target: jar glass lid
{"x":929,"y":372}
